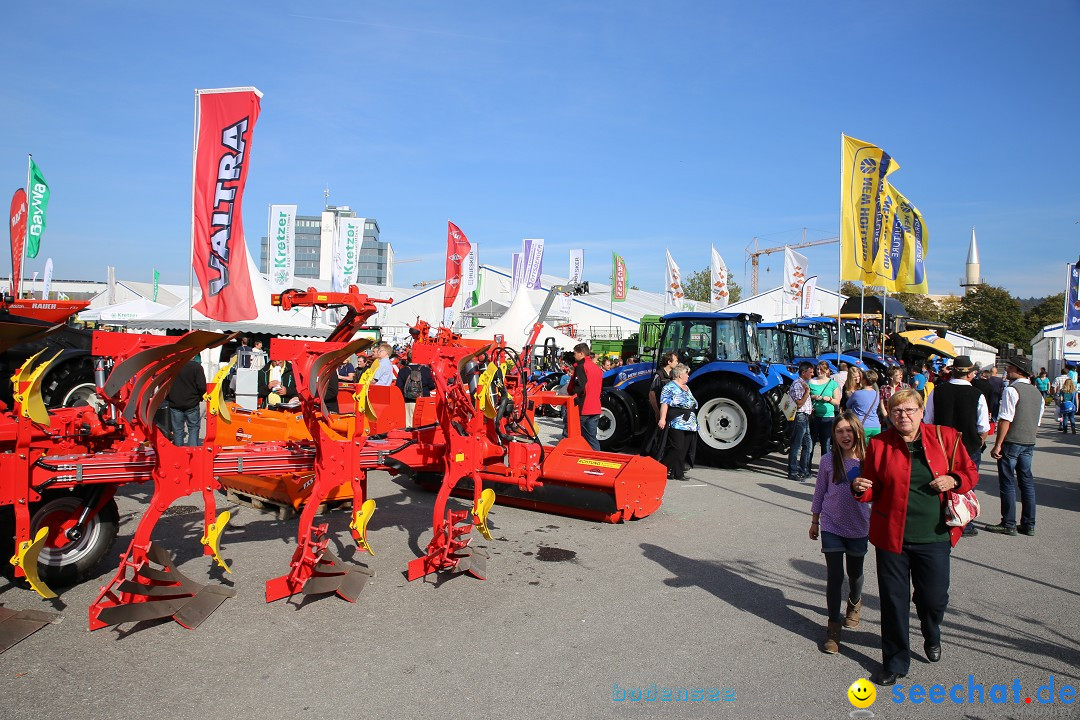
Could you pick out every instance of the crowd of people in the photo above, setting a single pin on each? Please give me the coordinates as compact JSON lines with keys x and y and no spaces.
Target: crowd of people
{"x":912,"y":449}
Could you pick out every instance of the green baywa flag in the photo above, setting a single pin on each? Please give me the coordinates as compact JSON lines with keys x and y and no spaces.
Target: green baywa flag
{"x":476,"y":295}
{"x":38,"y":192}
{"x":157,"y":276}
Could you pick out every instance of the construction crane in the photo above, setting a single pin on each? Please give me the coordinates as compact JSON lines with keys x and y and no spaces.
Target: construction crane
{"x":754,"y":253}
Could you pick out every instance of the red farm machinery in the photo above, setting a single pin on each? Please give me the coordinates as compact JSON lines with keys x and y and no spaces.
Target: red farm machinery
{"x":475,"y":437}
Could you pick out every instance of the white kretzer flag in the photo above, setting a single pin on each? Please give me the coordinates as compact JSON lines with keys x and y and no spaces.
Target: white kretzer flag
{"x":719,"y":281}
{"x":281,"y":242}
{"x":794,"y":271}
{"x":350,"y":236}
{"x":673,"y":292}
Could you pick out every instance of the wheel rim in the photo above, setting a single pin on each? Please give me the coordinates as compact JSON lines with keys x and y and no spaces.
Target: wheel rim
{"x":723,"y":423}
{"x":59,"y":516}
{"x":605,"y":425}
{"x":82,"y":396}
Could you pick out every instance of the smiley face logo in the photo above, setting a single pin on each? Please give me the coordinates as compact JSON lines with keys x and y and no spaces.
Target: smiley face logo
{"x":862,"y":693}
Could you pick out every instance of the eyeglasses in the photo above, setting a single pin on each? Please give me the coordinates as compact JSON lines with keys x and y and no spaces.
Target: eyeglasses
{"x":906,"y":411}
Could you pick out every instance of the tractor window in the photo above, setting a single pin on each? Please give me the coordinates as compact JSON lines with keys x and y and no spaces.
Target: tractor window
{"x":772,"y":344}
{"x":691,"y":340}
{"x":735,"y":340}
{"x":804,"y":345}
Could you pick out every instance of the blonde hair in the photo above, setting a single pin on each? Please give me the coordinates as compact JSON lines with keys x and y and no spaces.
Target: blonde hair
{"x":850,"y":385}
{"x":901,"y":396}
{"x":1068,"y":386}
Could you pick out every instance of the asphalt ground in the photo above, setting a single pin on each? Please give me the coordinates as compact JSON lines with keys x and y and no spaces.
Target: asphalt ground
{"x":720,"y":590}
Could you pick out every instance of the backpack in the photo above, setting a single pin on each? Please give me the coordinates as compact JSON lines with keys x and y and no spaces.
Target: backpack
{"x":414,"y":386}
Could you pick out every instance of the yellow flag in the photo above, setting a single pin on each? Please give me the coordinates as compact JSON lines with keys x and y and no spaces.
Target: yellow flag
{"x":901,"y":264}
{"x":863,"y":171}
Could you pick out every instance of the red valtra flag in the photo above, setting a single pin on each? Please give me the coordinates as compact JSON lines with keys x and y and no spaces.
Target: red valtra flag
{"x":225,"y":124}
{"x":457,"y":248}
{"x":18,"y":237}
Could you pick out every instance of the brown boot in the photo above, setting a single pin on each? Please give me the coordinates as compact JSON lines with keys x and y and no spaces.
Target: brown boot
{"x":851,"y":618}
{"x":832,"y":638}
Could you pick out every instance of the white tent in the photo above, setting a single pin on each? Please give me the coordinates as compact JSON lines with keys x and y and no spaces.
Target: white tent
{"x":121,"y":312}
{"x":271,"y":320}
{"x":517,"y":324}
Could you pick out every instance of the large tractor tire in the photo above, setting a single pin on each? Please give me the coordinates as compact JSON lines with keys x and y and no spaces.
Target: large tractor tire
{"x":734,"y":422}
{"x":619,"y":420}
{"x":70,"y":385}
{"x":65,"y":562}
{"x":778,"y":441}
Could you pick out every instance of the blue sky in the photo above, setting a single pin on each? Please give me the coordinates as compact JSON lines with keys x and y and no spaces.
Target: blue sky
{"x":628,"y":126}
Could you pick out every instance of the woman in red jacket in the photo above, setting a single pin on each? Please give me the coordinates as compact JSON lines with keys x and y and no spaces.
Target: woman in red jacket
{"x":907,"y":472}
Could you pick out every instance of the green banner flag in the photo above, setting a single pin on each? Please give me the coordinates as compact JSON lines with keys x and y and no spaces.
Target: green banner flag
{"x":157,"y":276}
{"x":38,"y":191}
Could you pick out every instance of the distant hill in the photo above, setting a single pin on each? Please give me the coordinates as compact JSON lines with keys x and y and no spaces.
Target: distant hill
{"x":1028,"y":303}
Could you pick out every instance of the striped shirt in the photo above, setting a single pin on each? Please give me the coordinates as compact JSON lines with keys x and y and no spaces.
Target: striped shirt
{"x":840,"y":513}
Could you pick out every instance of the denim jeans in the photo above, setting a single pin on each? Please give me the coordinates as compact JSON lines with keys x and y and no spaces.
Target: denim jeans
{"x":1014,"y":468}
{"x":588,"y":430}
{"x":801,"y":453}
{"x":186,"y":422}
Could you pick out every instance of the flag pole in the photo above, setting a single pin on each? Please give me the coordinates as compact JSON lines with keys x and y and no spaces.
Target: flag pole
{"x":1065,"y":312}
{"x":840,"y":254}
{"x":191,"y":264}
{"x":26,"y":234}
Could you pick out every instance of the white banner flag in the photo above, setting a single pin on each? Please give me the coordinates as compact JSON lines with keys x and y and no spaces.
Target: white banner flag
{"x":565,"y":303}
{"x":470,"y":271}
{"x":518,"y":275}
{"x":350,"y":236}
{"x":809,"y":292}
{"x":47,"y":283}
{"x":794,"y":271}
{"x":534,"y":262}
{"x":673,"y":292}
{"x":719,"y":281}
{"x":577,"y":265}
{"x":281,"y":244}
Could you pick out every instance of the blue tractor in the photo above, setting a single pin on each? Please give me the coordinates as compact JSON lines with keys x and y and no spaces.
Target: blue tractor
{"x":826,"y":331}
{"x":738,"y":393}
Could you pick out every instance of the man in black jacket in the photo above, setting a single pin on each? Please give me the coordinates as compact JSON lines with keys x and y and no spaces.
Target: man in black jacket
{"x":959,"y":405}
{"x":185,"y":396}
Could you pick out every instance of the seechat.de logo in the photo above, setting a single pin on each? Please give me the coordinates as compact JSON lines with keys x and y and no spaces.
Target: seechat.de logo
{"x":868,"y":166}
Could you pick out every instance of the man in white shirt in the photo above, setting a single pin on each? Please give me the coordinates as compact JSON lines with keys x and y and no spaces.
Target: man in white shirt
{"x":384,"y":367}
{"x":801,"y":453}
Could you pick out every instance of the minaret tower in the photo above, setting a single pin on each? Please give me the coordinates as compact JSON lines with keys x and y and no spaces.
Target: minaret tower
{"x":971,"y":270}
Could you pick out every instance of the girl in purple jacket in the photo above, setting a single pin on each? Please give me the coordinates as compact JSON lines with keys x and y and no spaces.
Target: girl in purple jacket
{"x":843,"y":524}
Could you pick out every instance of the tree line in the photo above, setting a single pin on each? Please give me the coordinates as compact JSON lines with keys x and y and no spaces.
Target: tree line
{"x":988,"y":313}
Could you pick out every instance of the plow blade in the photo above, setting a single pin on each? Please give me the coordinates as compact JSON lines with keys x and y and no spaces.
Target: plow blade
{"x":19,"y":625}
{"x":158,"y":593}
{"x":329,"y":575}
{"x":577,"y":481}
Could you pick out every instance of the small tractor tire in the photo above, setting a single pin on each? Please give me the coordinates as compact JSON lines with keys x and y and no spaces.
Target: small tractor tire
{"x":619,"y":420}
{"x":70,"y":385}
{"x":734,"y":422}
{"x":64,"y":562}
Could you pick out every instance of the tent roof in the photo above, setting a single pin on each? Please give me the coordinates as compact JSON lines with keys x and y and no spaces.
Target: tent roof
{"x":270,"y":320}
{"x":517,"y":323}
{"x":489,"y":309}
{"x":130,"y":310}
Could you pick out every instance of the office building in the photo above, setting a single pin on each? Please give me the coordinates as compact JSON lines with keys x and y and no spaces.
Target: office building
{"x":314,"y":248}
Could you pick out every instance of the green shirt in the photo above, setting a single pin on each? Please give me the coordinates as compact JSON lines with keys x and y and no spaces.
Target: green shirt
{"x":925,"y":521}
{"x":822,"y":396}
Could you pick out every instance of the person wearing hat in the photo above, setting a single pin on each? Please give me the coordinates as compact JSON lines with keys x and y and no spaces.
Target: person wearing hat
{"x":1018,"y":419}
{"x":959,"y":405}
